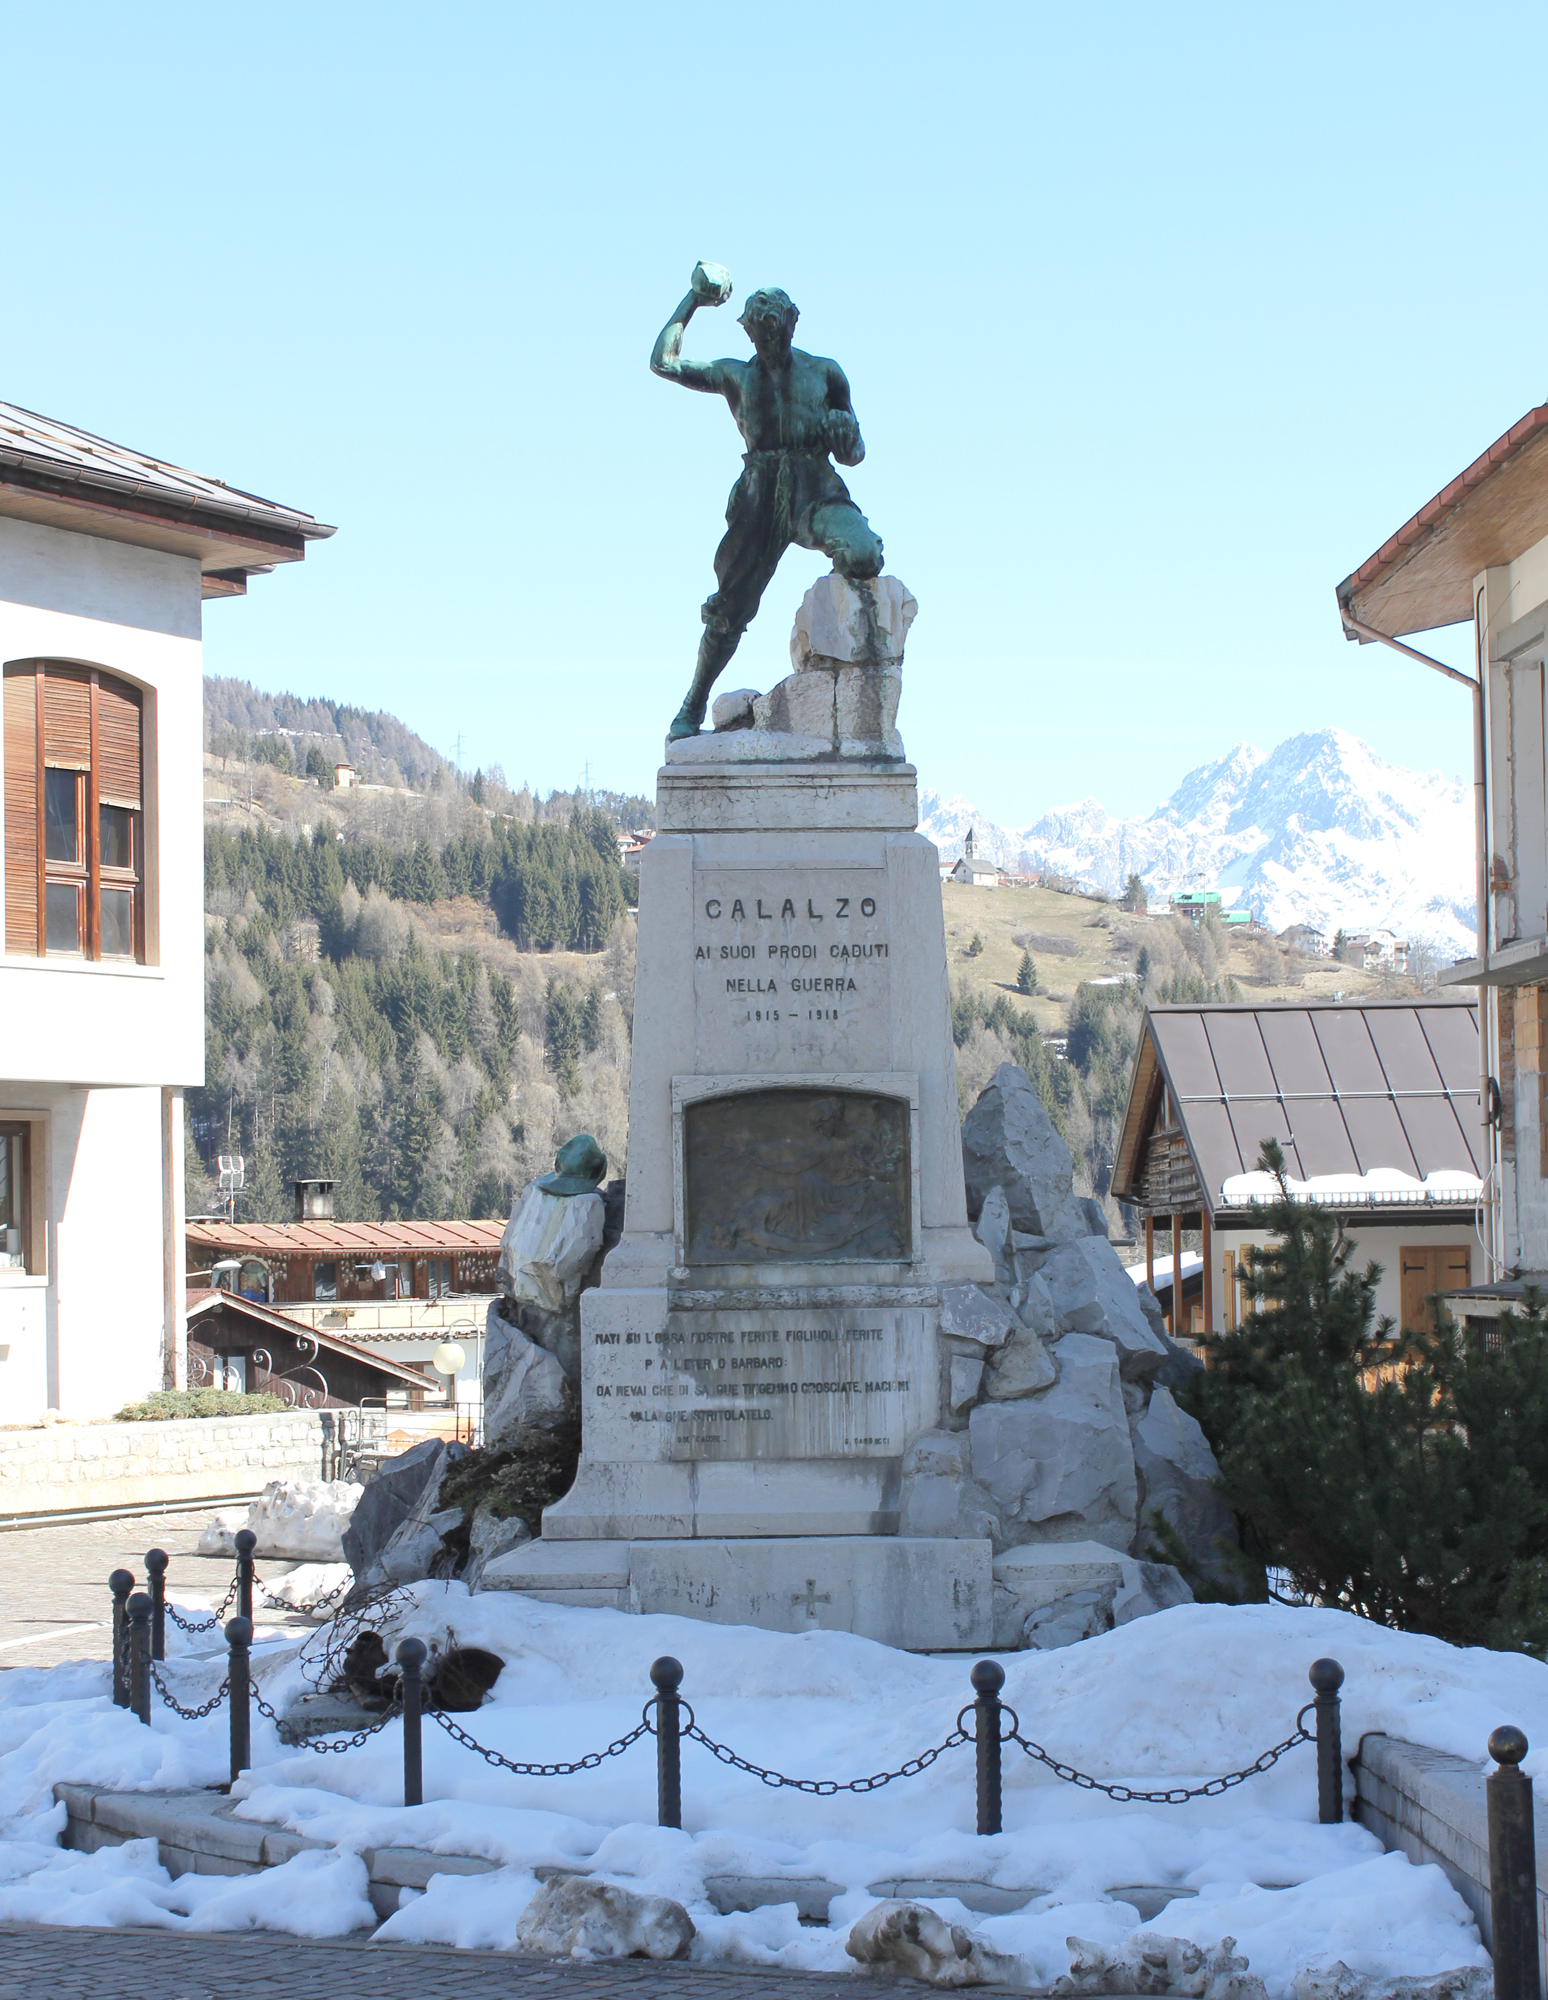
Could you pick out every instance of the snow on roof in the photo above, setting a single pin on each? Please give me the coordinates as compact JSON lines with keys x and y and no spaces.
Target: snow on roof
{"x":1191,"y":1261}
{"x":1381,"y":1186}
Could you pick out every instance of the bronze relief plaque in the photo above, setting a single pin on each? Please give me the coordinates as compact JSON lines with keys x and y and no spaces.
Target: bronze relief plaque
{"x":797,"y":1176}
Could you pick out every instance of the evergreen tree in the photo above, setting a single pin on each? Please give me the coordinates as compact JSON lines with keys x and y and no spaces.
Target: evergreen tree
{"x":1142,"y":964}
{"x":563,"y":1034}
{"x":1405,"y":1479}
{"x":1134,"y":895}
{"x":591,"y":1018}
{"x":1026,"y":974}
{"x":418,"y":1130}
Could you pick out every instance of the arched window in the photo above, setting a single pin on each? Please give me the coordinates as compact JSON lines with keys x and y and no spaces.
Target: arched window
{"x":74,"y":813}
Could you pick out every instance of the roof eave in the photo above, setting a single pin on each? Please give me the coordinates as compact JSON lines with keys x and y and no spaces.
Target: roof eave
{"x":1390,"y":590}
{"x":263,"y":1315}
{"x":229,"y":545}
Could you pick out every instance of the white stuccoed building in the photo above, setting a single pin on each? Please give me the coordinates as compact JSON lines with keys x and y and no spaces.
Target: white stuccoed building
{"x":105,"y":558}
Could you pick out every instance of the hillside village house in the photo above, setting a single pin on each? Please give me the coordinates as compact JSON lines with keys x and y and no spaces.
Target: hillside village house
{"x":1375,"y":1107}
{"x":1478,"y":553}
{"x":391,"y":1291}
{"x":105,"y":558}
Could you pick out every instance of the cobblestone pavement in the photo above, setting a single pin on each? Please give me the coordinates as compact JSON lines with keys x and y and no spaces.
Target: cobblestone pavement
{"x":42,"y":1962}
{"x":54,"y":1602}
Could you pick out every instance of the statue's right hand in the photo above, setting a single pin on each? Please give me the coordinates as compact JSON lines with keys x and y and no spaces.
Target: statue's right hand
{"x":710,"y":284}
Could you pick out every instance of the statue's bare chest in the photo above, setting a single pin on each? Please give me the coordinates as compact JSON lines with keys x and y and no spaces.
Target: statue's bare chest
{"x":782,"y":411}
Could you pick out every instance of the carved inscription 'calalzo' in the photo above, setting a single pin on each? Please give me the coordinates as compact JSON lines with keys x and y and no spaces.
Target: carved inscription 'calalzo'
{"x":791,"y":969}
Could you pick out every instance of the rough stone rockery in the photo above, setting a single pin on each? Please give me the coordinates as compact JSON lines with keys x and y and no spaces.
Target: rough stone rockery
{"x":1061,"y":1439}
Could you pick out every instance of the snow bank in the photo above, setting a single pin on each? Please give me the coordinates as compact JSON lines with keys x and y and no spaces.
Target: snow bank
{"x":1180,"y":1696}
{"x":303,"y":1519}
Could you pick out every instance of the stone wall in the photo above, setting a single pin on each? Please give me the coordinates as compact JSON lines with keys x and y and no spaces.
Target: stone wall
{"x":1434,"y":1807}
{"x":67,"y":1468}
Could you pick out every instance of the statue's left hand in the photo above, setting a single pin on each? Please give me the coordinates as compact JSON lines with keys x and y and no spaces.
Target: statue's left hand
{"x":841,"y":434}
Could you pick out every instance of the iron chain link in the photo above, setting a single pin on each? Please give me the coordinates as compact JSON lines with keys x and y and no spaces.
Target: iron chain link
{"x":822,"y":1788}
{"x":204,"y":1624}
{"x":1175,"y":1795}
{"x":315,"y":1744}
{"x":587,"y":1763}
{"x":317,"y":1603}
{"x":190,"y":1714}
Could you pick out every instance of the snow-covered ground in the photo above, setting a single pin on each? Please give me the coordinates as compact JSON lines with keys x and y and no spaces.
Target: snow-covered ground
{"x":1173,"y":1698}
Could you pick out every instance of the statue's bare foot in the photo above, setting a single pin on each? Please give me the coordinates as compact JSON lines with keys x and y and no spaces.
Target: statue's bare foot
{"x":685,"y":722}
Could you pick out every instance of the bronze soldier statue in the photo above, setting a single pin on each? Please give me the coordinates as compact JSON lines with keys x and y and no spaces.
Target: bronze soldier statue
{"x":792,"y":409}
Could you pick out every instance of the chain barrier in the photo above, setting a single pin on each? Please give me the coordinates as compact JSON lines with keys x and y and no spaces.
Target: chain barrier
{"x":204,"y":1624}
{"x":823,"y":1788}
{"x":587,"y":1763}
{"x":317,"y":1603}
{"x":190,"y":1714}
{"x":315,"y":1744}
{"x":690,"y":1731}
{"x":1175,"y":1795}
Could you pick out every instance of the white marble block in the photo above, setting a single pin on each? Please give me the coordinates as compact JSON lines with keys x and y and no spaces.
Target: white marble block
{"x":842,"y":623}
{"x":902,"y":1590}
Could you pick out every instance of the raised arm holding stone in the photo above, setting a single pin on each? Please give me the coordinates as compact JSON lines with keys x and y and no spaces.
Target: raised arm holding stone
{"x":709,"y":286}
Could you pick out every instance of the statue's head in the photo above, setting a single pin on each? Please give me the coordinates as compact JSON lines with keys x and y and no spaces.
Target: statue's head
{"x":769,"y":318}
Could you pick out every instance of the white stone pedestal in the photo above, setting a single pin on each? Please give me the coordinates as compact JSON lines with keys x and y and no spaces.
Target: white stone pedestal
{"x":763,"y":1347}
{"x":901,"y":1590}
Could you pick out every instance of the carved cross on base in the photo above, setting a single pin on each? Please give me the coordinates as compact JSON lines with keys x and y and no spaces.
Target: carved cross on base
{"x":810,"y":1598}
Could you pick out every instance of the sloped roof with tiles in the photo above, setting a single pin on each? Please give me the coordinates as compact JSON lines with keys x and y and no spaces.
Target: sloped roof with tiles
{"x":363,"y":1239}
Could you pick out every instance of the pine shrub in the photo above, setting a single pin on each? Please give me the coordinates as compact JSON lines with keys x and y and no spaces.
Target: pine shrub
{"x":1402,"y":1476}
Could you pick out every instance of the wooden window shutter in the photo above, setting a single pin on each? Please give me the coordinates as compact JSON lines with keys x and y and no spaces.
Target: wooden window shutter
{"x":67,"y":718}
{"x":21,"y":811}
{"x":118,"y":743}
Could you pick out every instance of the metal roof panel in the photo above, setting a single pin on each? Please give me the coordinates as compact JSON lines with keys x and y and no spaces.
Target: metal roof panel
{"x":1347,"y":1090}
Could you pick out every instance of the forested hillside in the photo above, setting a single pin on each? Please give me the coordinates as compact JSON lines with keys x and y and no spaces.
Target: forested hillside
{"x":339,"y":1043}
{"x":381,"y":748}
{"x":281,"y":732}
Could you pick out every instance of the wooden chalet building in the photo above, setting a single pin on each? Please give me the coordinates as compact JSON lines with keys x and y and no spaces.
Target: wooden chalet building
{"x":315,"y":1260}
{"x":235,"y":1343}
{"x":1376,"y":1107}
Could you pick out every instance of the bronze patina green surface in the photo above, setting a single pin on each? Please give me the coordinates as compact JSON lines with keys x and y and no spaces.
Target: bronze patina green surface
{"x":793,"y":411}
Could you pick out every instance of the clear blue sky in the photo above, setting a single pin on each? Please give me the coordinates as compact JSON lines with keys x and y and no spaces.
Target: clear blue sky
{"x":1158,"y":320}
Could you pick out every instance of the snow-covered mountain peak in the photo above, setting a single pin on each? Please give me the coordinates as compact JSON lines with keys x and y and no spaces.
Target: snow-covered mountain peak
{"x":1319,"y":830}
